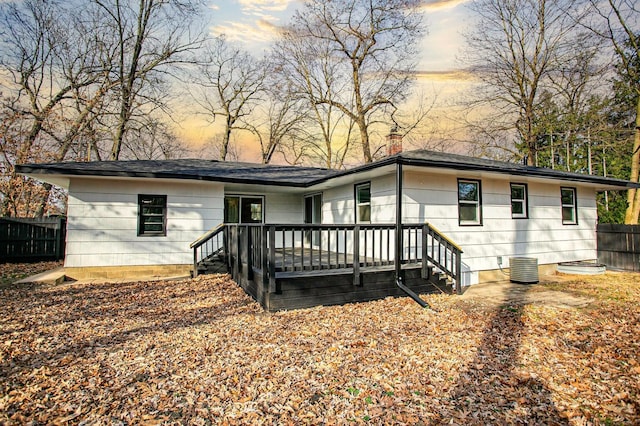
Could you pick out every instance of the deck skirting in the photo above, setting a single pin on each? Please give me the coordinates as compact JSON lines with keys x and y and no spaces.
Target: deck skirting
{"x":296,"y":290}
{"x":299,"y":266}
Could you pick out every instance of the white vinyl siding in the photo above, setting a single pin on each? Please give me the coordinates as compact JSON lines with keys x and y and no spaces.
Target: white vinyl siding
{"x":102,"y":221}
{"x":283,"y":208}
{"x":103,"y":217}
{"x":432,"y":198}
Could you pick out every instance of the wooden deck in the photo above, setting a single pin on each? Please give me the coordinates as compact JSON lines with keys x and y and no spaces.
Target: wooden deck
{"x":310,"y":259}
{"x":280,"y":267}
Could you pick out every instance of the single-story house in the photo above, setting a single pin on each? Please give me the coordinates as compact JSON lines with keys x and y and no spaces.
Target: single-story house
{"x":127,"y":217}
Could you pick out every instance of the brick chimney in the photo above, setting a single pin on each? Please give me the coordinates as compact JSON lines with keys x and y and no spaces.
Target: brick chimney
{"x":394,"y":142}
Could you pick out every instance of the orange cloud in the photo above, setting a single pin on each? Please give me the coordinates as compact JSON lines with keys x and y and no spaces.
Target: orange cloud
{"x":446,"y":75}
{"x":260,"y":31}
{"x":431,"y":5}
{"x":260,"y":6}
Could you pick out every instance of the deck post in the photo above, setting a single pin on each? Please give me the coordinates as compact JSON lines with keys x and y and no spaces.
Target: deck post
{"x":356,"y":255}
{"x":248,"y":241}
{"x":398,"y":255}
{"x":272,"y":259}
{"x":226,"y":250}
{"x":265,"y":257}
{"x":425,"y":254}
{"x":195,"y":262}
{"x":236,"y":253}
{"x":458,"y":275}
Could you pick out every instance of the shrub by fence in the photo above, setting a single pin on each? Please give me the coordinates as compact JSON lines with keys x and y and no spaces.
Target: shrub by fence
{"x":31,"y":240}
{"x":619,"y":246}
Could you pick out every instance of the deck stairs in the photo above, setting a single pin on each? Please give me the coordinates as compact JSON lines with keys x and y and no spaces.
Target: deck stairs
{"x":215,"y":263}
{"x":439,"y":279}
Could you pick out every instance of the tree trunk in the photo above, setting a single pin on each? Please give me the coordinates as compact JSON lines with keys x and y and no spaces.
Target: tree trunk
{"x":633,"y":201}
{"x":43,"y":202}
{"x":364,"y":138}
{"x":224,"y":149}
{"x":531,"y":157}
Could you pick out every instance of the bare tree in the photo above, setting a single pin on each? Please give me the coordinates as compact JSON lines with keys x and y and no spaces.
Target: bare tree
{"x":282,"y":118}
{"x":48,"y":64}
{"x":72,"y":72}
{"x":366,"y":48}
{"x":312,"y":76}
{"x":513,"y":49}
{"x":147,"y":38}
{"x":231,"y":83}
{"x":154,"y":141}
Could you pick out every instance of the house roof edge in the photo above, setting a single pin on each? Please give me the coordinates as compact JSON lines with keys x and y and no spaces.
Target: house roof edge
{"x":281,"y":175}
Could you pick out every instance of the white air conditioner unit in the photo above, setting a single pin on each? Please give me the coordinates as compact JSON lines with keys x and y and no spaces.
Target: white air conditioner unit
{"x":524,"y":270}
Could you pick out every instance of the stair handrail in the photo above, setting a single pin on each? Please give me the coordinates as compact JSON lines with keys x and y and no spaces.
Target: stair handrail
{"x":203,"y":239}
{"x":443,"y":237}
{"x":451,"y":268}
{"x":207,"y":236}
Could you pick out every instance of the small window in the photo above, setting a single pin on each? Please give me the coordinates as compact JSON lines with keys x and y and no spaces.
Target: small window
{"x":363,"y":203}
{"x":569,"y":206}
{"x":243,"y":209}
{"x":519,"y":204}
{"x":152,"y":215}
{"x":469,"y":202}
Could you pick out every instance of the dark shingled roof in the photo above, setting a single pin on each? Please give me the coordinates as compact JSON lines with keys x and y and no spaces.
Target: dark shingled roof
{"x":218,"y":171}
{"x":209,"y":170}
{"x":462,"y":162}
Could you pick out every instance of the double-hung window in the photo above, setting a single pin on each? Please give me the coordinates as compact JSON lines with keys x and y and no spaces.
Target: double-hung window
{"x":469,"y":202}
{"x":363,"y":203}
{"x":152,"y":215}
{"x":519,"y":204}
{"x":569,"y":206}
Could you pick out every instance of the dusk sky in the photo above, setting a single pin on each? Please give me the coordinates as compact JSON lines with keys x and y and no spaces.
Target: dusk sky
{"x":254,"y":25}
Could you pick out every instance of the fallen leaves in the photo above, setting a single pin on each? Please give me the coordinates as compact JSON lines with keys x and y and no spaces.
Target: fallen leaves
{"x":201,"y":351}
{"x":10,"y":272}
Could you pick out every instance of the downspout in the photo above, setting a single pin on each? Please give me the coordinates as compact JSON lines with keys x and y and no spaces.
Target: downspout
{"x":398,"y":254}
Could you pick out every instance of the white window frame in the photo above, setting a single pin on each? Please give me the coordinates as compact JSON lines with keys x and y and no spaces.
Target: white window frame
{"x":360,"y":204}
{"x":477,"y":203}
{"x":524,"y":201}
{"x":573,"y":206}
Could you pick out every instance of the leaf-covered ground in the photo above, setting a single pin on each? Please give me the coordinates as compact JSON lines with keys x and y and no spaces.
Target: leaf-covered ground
{"x":11,"y":272}
{"x":200,"y":351}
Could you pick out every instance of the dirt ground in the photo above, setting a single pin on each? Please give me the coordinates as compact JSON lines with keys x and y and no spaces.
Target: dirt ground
{"x":200,"y":351}
{"x":505,"y":292}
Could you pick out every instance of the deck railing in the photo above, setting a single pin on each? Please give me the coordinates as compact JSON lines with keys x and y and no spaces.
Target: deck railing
{"x":209,"y":244}
{"x":443,"y":254}
{"x":282,"y":250}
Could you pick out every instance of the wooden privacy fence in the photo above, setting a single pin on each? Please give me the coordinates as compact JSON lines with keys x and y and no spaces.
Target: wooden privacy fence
{"x":31,"y":240}
{"x":619,"y":246}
